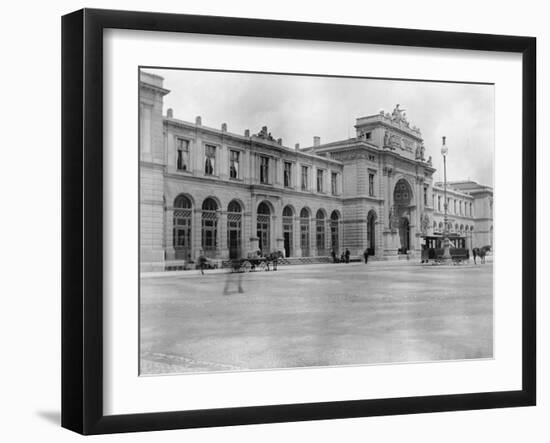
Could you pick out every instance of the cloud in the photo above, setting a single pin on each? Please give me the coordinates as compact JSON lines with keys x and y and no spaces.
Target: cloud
{"x":296,"y":108}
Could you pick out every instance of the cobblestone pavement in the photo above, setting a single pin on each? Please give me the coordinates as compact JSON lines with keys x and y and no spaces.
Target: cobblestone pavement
{"x":316,"y":315}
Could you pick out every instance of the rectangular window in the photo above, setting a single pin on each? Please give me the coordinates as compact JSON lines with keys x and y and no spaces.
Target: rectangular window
{"x":425,"y":196}
{"x":288,"y":175}
{"x":439,"y":203}
{"x":371,"y":185}
{"x":319,"y":180}
{"x":234,"y":164}
{"x":182,"y":160}
{"x":264,"y":170}
{"x":304,"y":178}
{"x":334,"y":183}
{"x":210,"y":160}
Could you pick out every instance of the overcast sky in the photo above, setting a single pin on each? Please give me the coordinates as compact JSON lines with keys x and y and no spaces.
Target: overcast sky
{"x":296,"y":108}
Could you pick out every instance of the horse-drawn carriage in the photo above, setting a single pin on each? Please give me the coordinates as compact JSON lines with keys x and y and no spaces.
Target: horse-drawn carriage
{"x":435,"y":255}
{"x":255,"y":261}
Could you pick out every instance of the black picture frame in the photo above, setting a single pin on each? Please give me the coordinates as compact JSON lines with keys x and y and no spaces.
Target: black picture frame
{"x":82,"y":220}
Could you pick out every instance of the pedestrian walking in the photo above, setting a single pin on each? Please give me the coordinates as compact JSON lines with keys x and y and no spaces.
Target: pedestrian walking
{"x":366,"y":255}
{"x":333,"y":254}
{"x":275,"y":259}
{"x":202,"y":263}
{"x":347,"y":255}
{"x":234,"y":276}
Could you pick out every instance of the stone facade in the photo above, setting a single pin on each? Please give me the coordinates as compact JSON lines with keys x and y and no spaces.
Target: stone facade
{"x":210,"y":191}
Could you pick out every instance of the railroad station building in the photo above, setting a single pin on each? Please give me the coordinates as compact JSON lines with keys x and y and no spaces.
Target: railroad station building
{"x":210,"y":191}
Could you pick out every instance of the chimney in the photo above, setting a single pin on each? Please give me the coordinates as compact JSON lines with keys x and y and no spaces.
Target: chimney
{"x":316,"y":141}
{"x":198,"y":120}
{"x":297,"y":146}
{"x":247,"y":132}
{"x":280,"y":141}
{"x":170,"y":113}
{"x":224,"y":127}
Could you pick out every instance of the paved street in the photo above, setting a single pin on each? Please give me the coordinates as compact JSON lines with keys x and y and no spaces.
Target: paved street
{"x":316,"y":315}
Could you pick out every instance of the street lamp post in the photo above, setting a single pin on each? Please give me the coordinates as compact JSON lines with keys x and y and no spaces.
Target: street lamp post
{"x":446,"y":243}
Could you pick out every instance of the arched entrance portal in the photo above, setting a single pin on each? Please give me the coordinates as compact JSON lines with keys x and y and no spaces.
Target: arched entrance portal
{"x":209,"y":227}
{"x":263,"y":220}
{"x":402,"y":198}
{"x":404,"y":235}
{"x":371,"y":232}
{"x":234,"y":229}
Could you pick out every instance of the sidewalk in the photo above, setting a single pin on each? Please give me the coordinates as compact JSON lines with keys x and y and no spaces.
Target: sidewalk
{"x":292,"y":268}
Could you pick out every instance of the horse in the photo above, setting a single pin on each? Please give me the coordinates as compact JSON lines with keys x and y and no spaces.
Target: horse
{"x":273,"y":257}
{"x":481,"y":252}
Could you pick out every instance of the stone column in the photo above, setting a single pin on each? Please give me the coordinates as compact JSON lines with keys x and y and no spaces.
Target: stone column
{"x":223,"y":250}
{"x":253,"y":238}
{"x":246,"y":234}
{"x":297,"y":249}
{"x":196,"y":234}
{"x":312,"y":237}
{"x":328,"y":236}
{"x":168,"y":233}
{"x":273,"y":232}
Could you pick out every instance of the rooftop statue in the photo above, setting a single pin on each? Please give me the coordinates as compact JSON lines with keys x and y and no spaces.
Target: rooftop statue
{"x":265,"y":134}
{"x":399,"y":115}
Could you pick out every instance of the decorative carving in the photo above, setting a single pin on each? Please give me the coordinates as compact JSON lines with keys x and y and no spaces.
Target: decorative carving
{"x":424,"y":223}
{"x":264,"y":134}
{"x":398,"y":115}
{"x":422,"y":151}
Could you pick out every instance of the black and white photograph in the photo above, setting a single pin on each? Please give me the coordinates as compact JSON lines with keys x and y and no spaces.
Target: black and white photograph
{"x":299,"y":221}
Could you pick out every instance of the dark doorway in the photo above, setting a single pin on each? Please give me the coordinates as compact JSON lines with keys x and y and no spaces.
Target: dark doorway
{"x":234,"y":229}
{"x":371,"y":232}
{"x":404,"y":235}
{"x":263,"y":228}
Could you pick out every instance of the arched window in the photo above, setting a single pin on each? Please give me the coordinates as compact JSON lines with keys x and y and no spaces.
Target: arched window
{"x":288,"y":230}
{"x":234,"y":229}
{"x":304,"y":232}
{"x":209,"y":227}
{"x":334,"y":228}
{"x":320,"y":232}
{"x":263,"y":227}
{"x":181,"y":232}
